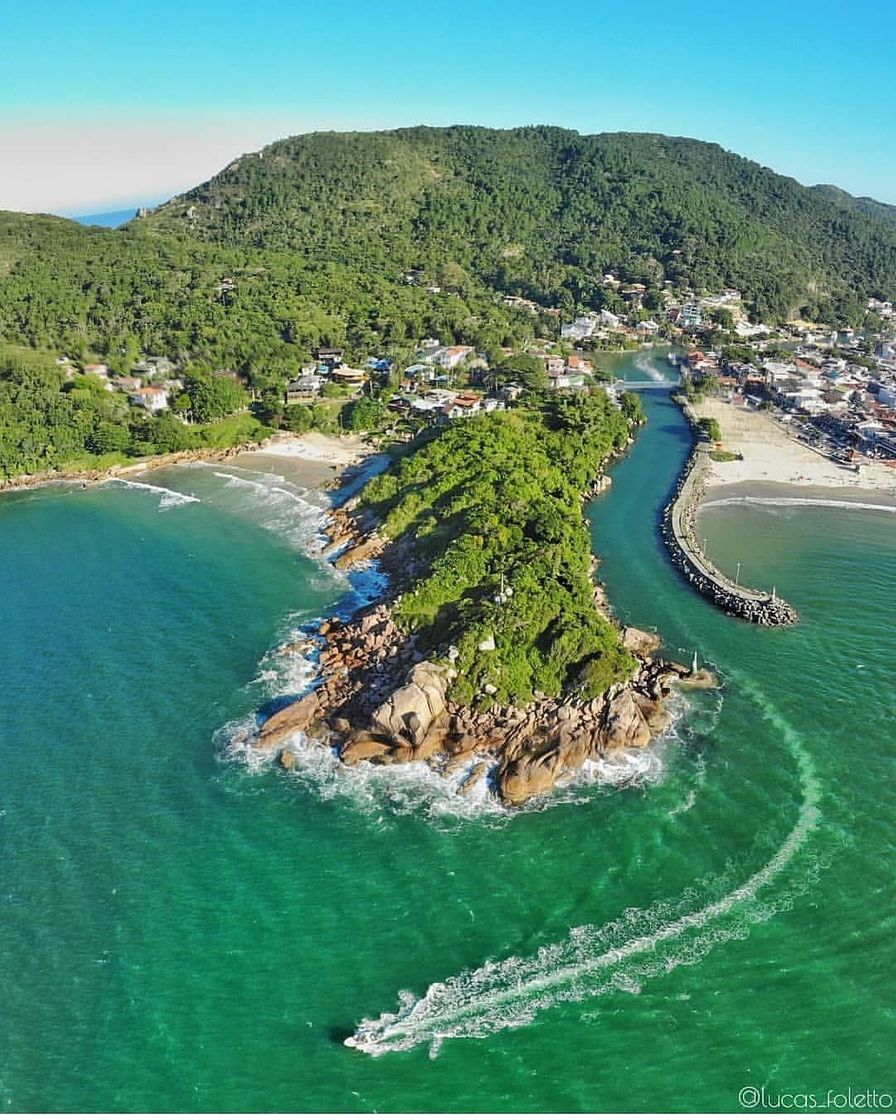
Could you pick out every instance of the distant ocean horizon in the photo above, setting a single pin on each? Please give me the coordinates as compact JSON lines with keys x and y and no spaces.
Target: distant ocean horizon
{"x":109,"y":218}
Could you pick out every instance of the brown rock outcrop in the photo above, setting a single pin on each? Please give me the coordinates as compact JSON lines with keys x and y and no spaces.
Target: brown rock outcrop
{"x":289,"y":721}
{"x":521,"y":779}
{"x":358,"y":553}
{"x":479,"y":771}
{"x":409,"y":712}
{"x":640,"y":642}
{"x":624,"y":724}
{"x":362,"y":746}
{"x":381,"y":702}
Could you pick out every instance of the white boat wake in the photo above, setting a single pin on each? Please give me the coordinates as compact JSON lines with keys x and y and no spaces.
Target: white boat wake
{"x":594,"y":960}
{"x":646,"y":363}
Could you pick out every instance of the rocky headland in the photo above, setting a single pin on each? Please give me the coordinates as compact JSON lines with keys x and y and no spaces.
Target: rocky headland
{"x":382,"y":700}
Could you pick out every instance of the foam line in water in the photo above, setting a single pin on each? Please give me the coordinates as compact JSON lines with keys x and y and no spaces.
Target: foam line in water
{"x":272,"y":484}
{"x":594,"y":960}
{"x":169,"y":499}
{"x":646,"y":364}
{"x":278,"y":506}
{"x":832,"y":503}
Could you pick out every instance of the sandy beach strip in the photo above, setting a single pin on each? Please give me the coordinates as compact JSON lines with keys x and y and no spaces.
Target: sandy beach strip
{"x":311,"y":460}
{"x":773,"y":458}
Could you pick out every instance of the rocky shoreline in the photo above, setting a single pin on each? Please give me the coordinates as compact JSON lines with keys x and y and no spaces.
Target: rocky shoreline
{"x":380,"y":700}
{"x":93,"y":475}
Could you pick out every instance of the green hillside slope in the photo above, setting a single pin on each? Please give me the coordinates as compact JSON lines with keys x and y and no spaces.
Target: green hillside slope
{"x":316,"y":236}
{"x":544,"y":212}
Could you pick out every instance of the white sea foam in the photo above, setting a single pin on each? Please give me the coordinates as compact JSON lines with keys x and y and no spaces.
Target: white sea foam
{"x":693,"y":792}
{"x":169,"y":498}
{"x":289,"y":511}
{"x":285,"y":674}
{"x":415,"y":787}
{"x":832,"y":503}
{"x":646,"y":363}
{"x":595,"y":960}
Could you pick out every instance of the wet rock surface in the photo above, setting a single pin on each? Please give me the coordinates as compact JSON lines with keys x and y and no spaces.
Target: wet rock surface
{"x":380,"y":702}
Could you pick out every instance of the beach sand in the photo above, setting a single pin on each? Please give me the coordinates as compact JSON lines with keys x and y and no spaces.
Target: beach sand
{"x":776,"y":461}
{"x":310,"y":460}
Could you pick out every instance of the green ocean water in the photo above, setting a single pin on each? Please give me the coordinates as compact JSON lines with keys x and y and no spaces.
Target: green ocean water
{"x":182,"y":929}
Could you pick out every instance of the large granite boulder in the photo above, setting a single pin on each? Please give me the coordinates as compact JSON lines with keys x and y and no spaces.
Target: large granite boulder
{"x":361,"y":746}
{"x":529,"y":776}
{"x":625,"y":724}
{"x":358,"y":553}
{"x":640,"y":642}
{"x":289,"y":721}
{"x":407,"y":716}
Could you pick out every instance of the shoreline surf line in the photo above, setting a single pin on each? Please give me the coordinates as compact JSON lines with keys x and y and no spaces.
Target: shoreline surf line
{"x":169,"y":499}
{"x":829,"y":503}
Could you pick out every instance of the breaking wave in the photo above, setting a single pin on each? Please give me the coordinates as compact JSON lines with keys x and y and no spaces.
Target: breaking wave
{"x":281,"y":507}
{"x":444,"y":798}
{"x":832,"y":503}
{"x":595,"y":960}
{"x":169,"y":498}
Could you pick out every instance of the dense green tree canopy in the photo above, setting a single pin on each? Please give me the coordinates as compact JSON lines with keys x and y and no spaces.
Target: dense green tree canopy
{"x":212,"y":397}
{"x":375,"y":240}
{"x":499,"y":497}
{"x":523,"y":369}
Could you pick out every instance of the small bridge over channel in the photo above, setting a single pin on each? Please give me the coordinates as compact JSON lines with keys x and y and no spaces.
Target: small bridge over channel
{"x":623,"y":386}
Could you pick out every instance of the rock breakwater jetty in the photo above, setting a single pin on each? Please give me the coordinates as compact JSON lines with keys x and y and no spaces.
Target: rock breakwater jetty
{"x":679,"y":530}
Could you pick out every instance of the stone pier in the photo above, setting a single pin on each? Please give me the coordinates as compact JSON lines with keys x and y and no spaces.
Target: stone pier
{"x":679,"y":530}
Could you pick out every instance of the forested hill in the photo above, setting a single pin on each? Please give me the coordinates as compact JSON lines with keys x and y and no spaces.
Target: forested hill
{"x":543,"y":212}
{"x":862,"y":204}
{"x":313,"y":241}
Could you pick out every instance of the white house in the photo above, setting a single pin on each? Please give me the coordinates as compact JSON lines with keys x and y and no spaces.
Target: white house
{"x":690,"y":315}
{"x":886,"y":394}
{"x":467,"y":404}
{"x":566,"y":381}
{"x":151,"y":397}
{"x":303,"y":388}
{"x":581,"y":328}
{"x":807,"y":399}
{"x":452,"y":356}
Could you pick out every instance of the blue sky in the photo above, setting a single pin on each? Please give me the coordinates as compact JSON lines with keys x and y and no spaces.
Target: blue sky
{"x":105,"y":104}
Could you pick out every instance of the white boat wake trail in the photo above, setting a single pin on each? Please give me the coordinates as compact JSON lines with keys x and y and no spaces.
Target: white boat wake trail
{"x":597,"y":959}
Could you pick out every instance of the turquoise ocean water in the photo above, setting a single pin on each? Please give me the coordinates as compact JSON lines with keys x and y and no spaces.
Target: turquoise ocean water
{"x":182,"y":929}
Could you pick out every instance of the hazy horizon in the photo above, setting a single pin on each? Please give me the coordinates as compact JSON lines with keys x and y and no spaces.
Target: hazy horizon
{"x":154,"y":195}
{"x":98,"y":112}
